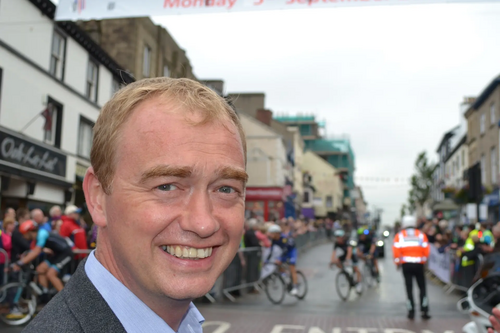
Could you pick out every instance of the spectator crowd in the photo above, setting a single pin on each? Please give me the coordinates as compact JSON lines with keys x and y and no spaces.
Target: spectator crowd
{"x":70,"y":225}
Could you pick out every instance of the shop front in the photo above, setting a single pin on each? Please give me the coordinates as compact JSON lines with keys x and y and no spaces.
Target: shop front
{"x":264,"y":202}
{"x":33,"y":175}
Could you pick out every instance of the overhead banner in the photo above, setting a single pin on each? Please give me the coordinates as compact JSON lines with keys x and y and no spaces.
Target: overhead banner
{"x":72,"y":10}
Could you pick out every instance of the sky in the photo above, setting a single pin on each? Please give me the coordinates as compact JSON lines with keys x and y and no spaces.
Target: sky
{"x":390,"y":77}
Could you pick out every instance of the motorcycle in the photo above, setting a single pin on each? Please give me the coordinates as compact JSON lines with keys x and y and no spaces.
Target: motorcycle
{"x":482,"y":298}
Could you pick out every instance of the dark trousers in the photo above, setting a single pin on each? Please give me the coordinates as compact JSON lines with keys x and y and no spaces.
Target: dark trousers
{"x":416,"y":271}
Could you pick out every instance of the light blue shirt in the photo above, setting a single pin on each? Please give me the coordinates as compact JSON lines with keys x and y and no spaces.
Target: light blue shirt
{"x":133,"y":314}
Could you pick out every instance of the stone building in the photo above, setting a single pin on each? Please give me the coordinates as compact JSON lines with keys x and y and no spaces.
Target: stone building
{"x":140,"y":46}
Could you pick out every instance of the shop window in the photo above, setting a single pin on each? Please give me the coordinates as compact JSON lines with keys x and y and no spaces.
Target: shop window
{"x":85,"y":133}
{"x":53,"y":114}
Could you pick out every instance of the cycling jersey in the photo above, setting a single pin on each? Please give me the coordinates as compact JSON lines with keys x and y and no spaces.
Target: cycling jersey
{"x":52,"y":241}
{"x":366,"y":244}
{"x":287,"y":244}
{"x":341,"y":251}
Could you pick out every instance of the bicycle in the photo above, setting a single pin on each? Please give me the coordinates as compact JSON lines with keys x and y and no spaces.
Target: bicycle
{"x":344,"y":281}
{"x":278,"y":283}
{"x":370,"y":275}
{"x":24,"y":294}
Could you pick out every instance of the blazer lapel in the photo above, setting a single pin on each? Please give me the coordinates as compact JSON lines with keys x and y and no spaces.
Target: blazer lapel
{"x":88,"y":306}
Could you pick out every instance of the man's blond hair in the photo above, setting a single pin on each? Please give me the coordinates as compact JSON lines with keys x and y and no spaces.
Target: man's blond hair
{"x":190,"y":95}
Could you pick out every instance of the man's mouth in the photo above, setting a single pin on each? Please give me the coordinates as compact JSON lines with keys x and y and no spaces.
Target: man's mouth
{"x":186,"y":252}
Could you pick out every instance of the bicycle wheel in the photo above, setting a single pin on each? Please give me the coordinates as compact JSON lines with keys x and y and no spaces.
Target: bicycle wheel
{"x":301,"y":285}
{"x":275,"y":288}
{"x":343,"y":285}
{"x":25,"y":302}
{"x":368,"y":275}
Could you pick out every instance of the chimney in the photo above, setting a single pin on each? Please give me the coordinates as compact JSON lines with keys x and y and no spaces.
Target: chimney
{"x":264,"y":116}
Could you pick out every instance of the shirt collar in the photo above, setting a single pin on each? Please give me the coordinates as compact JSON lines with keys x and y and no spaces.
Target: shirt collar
{"x":133,"y":314}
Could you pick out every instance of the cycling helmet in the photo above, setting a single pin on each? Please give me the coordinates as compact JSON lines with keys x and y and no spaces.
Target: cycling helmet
{"x":339,"y":233}
{"x":27,"y":226}
{"x":360,"y":230}
{"x":274,"y":228}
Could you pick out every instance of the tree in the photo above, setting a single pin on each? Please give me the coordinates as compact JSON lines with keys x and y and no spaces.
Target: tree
{"x":402,"y":212}
{"x":421,"y":182}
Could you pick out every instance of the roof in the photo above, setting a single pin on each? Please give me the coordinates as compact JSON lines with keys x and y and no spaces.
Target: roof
{"x":81,"y":37}
{"x":486,"y":93}
{"x":294,"y":119}
{"x":446,"y":137}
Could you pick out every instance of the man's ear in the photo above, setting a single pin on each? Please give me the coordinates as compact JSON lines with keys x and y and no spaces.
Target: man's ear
{"x":95,"y":198}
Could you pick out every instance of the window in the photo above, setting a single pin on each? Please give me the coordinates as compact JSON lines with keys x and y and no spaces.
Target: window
{"x":463,"y":158}
{"x":53,"y":114}
{"x":483,"y":174}
{"x":57,"y":56}
{"x":329,"y":201}
{"x":166,"y":71}
{"x":85,"y":138}
{"x":115,"y":86}
{"x":92,"y":77}
{"x":482,"y":121}
{"x":493,"y":117}
{"x":1,"y":76}
{"x":146,"y":62}
{"x":493,"y":162}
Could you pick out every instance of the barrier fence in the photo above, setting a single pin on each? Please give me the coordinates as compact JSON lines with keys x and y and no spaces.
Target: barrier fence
{"x":244,"y":272}
{"x":242,"y":275}
{"x":447,"y":267}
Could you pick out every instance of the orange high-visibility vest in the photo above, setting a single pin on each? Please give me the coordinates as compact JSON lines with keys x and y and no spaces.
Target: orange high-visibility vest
{"x":410,"y":246}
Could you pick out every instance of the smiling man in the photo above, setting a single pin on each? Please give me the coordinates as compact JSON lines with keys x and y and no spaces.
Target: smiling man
{"x":166,"y":190}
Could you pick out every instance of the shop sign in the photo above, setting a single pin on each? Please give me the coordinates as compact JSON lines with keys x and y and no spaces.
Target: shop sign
{"x":264,"y":193}
{"x":27,"y":154}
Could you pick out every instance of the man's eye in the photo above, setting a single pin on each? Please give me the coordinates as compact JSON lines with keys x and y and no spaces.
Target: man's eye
{"x":167,"y":187}
{"x":227,"y":189}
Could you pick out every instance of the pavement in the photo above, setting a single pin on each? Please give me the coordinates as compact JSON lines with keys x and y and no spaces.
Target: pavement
{"x":378,"y":310}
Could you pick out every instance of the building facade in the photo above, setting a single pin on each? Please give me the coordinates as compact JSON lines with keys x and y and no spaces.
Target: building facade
{"x":53,"y":81}
{"x":267,"y":170}
{"x":253,"y":105}
{"x":140,"y":46}
{"x":326,"y":193}
{"x":483,"y":140}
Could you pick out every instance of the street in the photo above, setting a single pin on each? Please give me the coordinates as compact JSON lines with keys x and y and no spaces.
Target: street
{"x":381,"y":309}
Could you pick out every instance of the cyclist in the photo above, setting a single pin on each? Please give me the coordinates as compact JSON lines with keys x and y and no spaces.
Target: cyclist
{"x":343,"y":252}
{"x":367,"y":248}
{"x":289,"y":255}
{"x":58,"y":248}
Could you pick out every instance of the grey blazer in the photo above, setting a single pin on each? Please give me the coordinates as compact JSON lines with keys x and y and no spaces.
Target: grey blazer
{"x":78,"y":308}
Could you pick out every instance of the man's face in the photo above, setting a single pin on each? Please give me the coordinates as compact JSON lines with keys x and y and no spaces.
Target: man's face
{"x":11,"y":213}
{"x":275,"y":235}
{"x":38,"y":216}
{"x":178,"y":192}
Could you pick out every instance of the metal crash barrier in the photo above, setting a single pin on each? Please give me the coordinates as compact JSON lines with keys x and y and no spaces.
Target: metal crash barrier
{"x":447,"y":267}
{"x":243,"y":274}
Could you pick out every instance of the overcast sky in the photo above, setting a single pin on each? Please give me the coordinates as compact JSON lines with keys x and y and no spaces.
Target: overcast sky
{"x":391,"y":77}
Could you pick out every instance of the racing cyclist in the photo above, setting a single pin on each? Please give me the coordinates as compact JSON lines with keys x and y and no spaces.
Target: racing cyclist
{"x":343,"y":252}
{"x":59,"y":254}
{"x":287,"y":244}
{"x":367,"y":249}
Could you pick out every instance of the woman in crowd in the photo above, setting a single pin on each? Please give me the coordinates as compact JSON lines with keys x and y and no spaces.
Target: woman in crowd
{"x":8,"y":227}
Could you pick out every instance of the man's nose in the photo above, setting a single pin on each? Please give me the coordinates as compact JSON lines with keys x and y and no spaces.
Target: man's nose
{"x":199,"y":217}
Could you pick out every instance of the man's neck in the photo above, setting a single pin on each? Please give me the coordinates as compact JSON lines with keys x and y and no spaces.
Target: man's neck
{"x":170,"y":310}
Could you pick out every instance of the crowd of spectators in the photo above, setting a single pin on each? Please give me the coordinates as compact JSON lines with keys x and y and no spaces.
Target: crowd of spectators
{"x":70,"y":225}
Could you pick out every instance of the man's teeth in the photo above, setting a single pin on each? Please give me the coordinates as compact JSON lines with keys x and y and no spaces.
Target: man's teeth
{"x":187,"y":252}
